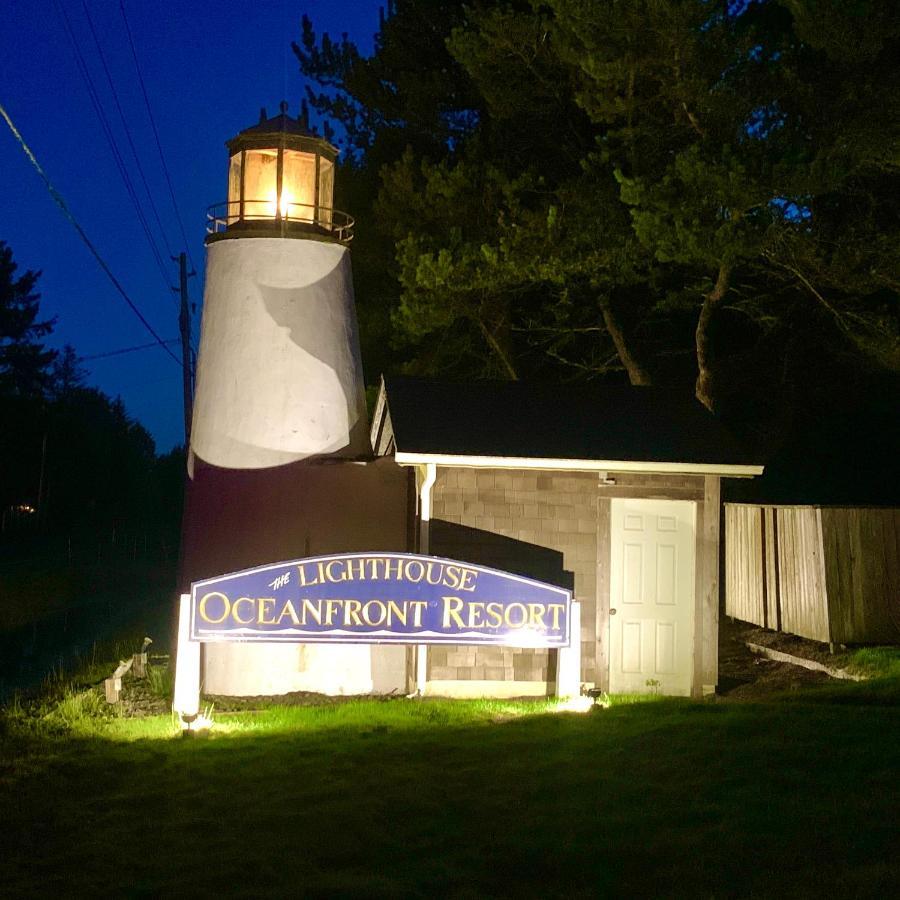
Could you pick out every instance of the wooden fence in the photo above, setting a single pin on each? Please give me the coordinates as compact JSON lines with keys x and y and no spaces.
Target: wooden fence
{"x":831,"y":574}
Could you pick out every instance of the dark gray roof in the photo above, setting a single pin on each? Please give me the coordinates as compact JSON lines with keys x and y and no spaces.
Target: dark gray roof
{"x":280,"y":123}
{"x":284,"y":127}
{"x":518,"y":419}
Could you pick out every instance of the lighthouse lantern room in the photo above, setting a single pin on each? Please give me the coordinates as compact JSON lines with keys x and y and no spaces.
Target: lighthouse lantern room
{"x":280,"y":174}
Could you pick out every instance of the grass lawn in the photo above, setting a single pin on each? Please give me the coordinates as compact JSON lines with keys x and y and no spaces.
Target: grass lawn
{"x":466,"y":799}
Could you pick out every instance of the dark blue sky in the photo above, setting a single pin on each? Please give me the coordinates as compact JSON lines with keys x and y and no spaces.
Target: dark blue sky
{"x":208,"y":67}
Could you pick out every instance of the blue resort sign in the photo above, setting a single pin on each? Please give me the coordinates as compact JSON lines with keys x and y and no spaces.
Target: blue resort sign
{"x":380,"y":598}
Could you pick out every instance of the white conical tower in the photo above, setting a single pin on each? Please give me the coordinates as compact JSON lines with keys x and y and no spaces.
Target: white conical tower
{"x":279,"y":394}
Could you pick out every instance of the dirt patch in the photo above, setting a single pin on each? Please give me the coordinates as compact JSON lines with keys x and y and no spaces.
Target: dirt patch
{"x":295,"y":698}
{"x":138,"y":699}
{"x":745,"y":676}
{"x":787,"y":643}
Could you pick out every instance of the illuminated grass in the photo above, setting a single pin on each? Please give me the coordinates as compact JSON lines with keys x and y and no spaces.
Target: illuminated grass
{"x":468,"y":798}
{"x":363,"y":717}
{"x":875,"y":662}
{"x":85,"y":715}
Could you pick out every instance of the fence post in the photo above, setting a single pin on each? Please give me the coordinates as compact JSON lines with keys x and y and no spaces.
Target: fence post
{"x":113,"y":684}
{"x":112,"y":687}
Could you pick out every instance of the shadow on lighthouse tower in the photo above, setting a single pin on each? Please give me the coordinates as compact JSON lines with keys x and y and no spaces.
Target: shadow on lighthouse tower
{"x":279,"y":462}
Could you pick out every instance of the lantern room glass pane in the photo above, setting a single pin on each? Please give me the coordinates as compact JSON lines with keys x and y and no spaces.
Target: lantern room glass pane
{"x":298,"y":186}
{"x":260,"y":183}
{"x":326,"y":191}
{"x":233,"y":210}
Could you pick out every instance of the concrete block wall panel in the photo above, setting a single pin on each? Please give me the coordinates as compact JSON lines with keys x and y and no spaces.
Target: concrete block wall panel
{"x":566,"y":513}
{"x":539,"y":524}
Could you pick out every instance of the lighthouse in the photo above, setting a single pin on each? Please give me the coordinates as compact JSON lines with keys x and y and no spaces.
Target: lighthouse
{"x":279,"y":462}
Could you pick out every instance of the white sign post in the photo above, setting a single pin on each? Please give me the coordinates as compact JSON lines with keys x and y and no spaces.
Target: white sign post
{"x":187,"y":666}
{"x":568,"y":669}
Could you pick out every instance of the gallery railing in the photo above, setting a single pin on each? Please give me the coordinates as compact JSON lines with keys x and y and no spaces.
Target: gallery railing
{"x":300,"y":216}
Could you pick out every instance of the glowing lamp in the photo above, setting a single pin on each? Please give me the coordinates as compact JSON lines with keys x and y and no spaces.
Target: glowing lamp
{"x":280,"y":176}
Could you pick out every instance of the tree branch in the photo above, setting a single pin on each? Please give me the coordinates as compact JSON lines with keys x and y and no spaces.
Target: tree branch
{"x":703,"y":389}
{"x":494,"y":344}
{"x":637,"y":374}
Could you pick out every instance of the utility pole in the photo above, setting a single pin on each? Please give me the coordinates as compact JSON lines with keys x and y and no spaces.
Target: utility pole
{"x":184,"y":326}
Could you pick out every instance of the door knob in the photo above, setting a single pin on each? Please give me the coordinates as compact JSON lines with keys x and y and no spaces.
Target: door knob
{"x":612,"y":612}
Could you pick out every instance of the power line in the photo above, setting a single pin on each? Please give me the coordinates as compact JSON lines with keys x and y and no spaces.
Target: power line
{"x":124,"y":350}
{"x":162,"y":157}
{"x":127,"y":130}
{"x":159,"y":149}
{"x":61,"y":203}
{"x":107,"y":131}
{"x":110,"y":139}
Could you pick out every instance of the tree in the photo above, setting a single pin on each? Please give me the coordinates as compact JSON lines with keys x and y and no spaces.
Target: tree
{"x":67,"y":450}
{"x":98,"y":462}
{"x":770,"y":146}
{"x":537,"y":237}
{"x":847,"y":262}
{"x":675,"y":188}
{"x":67,"y":373}
{"x":24,"y":361}
{"x":409,"y":93}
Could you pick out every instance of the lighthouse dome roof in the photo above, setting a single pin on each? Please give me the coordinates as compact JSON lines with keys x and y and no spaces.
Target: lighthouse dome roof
{"x":282,"y":126}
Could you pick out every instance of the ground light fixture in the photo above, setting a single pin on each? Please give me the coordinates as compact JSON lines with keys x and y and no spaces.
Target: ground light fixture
{"x":197,"y":724}
{"x":581,"y":704}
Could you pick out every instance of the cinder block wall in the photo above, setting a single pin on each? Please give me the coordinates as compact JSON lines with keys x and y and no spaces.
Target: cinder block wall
{"x":544,"y":509}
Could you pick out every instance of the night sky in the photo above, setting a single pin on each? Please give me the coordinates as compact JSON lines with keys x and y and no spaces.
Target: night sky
{"x":208,"y":67}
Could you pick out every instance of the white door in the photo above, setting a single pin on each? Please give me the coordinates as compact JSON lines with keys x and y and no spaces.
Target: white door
{"x":651,"y":623}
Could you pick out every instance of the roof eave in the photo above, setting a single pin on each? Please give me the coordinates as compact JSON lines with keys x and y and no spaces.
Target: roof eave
{"x":729,"y":470}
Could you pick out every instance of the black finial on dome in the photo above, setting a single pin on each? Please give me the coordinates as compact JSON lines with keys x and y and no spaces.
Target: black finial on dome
{"x":283,"y":123}
{"x":283,"y":106}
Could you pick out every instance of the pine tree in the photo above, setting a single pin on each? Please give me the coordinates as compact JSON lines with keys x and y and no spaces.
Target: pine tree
{"x":67,"y":373}
{"x":664,"y":187}
{"x":24,"y":360}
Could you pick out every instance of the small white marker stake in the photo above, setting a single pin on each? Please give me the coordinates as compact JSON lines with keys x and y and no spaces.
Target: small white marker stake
{"x":187,"y":666}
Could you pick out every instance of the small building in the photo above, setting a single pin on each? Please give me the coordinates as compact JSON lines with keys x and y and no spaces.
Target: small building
{"x":611,"y":491}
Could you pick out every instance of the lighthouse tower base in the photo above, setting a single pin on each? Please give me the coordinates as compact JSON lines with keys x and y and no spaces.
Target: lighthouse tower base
{"x":237,"y":519}
{"x":266,"y":670}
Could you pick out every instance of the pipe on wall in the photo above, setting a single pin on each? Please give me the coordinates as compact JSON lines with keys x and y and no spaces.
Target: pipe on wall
{"x":429,"y":475}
